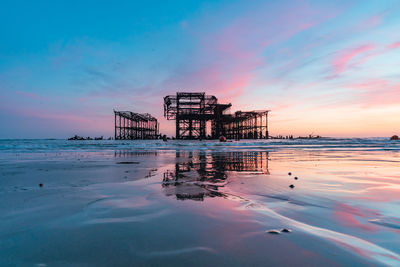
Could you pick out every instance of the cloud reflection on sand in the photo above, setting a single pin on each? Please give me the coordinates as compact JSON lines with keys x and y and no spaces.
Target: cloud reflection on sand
{"x":343,"y":209}
{"x":198,"y":175}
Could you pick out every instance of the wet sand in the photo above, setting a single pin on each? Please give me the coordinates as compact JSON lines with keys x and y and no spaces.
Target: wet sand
{"x":200,"y":207}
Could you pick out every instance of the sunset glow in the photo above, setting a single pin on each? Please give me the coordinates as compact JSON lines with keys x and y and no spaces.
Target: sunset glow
{"x":327,"y":68}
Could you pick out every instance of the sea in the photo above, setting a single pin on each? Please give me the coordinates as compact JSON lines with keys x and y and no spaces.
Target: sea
{"x":275,"y":202}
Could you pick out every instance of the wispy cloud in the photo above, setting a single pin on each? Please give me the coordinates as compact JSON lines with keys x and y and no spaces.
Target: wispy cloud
{"x":394,"y":45}
{"x":30,"y":95}
{"x":377,"y":92}
{"x":302,"y":59}
{"x":226,"y":59}
{"x":351,"y":57}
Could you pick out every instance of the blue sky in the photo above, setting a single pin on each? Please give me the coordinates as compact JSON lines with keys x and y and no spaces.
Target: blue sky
{"x":323,"y":67}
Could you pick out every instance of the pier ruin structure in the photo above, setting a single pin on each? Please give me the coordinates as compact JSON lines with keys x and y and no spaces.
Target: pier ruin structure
{"x":131,"y":125}
{"x":191,"y":111}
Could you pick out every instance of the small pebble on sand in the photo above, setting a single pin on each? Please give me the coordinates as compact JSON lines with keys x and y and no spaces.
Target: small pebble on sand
{"x":291,"y":186}
{"x":296,"y":178}
{"x":289,"y":173}
{"x":273,"y":231}
{"x":40,"y":185}
{"x":285,"y":230}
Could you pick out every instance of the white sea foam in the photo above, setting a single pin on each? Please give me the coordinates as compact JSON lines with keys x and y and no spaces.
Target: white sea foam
{"x":326,"y":144}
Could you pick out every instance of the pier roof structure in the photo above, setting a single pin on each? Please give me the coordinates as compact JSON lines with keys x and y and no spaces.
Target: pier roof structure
{"x":192,"y":111}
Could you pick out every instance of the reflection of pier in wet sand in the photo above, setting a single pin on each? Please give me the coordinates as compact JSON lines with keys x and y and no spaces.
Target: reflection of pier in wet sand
{"x":130,"y":153}
{"x":198,"y":175}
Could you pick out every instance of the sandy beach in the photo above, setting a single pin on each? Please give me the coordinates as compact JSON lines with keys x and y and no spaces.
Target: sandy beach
{"x":178,"y":203}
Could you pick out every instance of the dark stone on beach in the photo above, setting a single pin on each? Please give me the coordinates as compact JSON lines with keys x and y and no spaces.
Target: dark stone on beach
{"x":291,"y":186}
{"x":394,"y":137}
{"x":296,"y":178}
{"x":285,"y":230}
{"x":76,"y":137}
{"x":289,"y":173}
{"x":274,"y":232}
{"x":40,"y":185}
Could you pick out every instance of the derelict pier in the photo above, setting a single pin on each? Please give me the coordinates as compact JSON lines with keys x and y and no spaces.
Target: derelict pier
{"x":131,"y":125}
{"x":192,"y":111}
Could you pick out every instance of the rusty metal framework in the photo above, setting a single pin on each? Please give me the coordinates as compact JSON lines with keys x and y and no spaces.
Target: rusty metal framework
{"x":246,"y":125}
{"x":191,"y":111}
{"x":131,"y":125}
{"x":205,"y":173}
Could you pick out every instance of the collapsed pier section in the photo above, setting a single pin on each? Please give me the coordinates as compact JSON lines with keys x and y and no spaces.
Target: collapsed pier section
{"x":192,"y":111}
{"x":130,"y":125}
{"x":246,"y":125}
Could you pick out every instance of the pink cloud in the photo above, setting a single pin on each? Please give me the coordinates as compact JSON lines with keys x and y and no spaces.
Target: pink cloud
{"x":366,"y":94}
{"x":351,"y":57}
{"x":30,"y":95}
{"x":227,"y":58}
{"x":371,"y":22}
{"x":350,"y":30}
{"x":378,"y":92}
{"x":394,"y":45}
{"x":374,"y":21}
{"x":359,"y":55}
{"x":64,"y":120}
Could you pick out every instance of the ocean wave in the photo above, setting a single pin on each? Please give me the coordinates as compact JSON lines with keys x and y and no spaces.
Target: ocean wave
{"x":326,"y":144}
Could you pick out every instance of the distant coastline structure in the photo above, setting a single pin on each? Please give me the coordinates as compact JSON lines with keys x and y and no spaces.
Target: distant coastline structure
{"x":130,"y":125}
{"x":192,"y":111}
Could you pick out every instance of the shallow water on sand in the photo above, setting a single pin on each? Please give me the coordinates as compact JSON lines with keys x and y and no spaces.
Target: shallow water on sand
{"x":200,"y":203}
